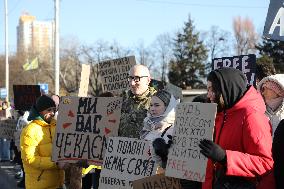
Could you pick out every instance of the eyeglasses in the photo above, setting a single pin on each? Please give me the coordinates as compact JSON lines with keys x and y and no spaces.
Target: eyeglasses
{"x":135,"y":78}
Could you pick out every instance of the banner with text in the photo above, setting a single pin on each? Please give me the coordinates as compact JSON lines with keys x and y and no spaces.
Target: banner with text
{"x":194,"y":121}
{"x":83,"y":126}
{"x":25,"y":96}
{"x":113,"y":74}
{"x":157,"y":182}
{"x":244,"y":63}
{"x":126,"y":160}
{"x":274,"y":24}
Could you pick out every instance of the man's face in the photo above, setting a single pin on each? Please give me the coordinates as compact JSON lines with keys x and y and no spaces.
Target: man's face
{"x":139,"y":80}
{"x":48,"y":114}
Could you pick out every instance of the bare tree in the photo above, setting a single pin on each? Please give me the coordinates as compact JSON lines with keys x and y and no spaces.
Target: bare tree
{"x":144,"y":55}
{"x":245,"y":36}
{"x":163,"y":53}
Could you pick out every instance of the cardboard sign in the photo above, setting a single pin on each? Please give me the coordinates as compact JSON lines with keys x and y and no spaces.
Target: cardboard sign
{"x":160,"y":85}
{"x":274,"y":24}
{"x":84,"y":83}
{"x":244,"y":63}
{"x":113,"y":74}
{"x":157,"y":182}
{"x":83,"y":126}
{"x":194,"y":121}
{"x":25,"y":96}
{"x":7,"y":128}
{"x":126,"y":160}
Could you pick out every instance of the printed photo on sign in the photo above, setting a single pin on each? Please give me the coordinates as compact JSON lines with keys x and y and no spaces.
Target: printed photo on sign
{"x":194,"y":122}
{"x":244,"y":63}
{"x":157,"y":182}
{"x":113,"y":74}
{"x":126,"y":160}
{"x":83,"y":126}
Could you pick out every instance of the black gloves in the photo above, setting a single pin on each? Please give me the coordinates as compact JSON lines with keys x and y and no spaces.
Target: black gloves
{"x":212,"y":151}
{"x":161,"y":148}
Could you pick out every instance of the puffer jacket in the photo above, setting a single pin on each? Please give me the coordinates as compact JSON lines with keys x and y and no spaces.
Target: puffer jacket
{"x":36,"y":147}
{"x":277,"y":115}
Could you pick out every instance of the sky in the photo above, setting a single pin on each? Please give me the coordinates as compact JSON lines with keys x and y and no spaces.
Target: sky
{"x":131,"y":21}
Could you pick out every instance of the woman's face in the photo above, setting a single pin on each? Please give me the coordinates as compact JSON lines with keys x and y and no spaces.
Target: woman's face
{"x":267,"y":93}
{"x":210,"y":93}
{"x":157,"y":106}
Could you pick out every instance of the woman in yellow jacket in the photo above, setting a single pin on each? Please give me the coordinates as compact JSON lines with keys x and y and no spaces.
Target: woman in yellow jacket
{"x":36,"y":147}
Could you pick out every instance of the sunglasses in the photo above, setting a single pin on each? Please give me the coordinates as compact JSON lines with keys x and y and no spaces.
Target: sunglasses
{"x":135,"y":78}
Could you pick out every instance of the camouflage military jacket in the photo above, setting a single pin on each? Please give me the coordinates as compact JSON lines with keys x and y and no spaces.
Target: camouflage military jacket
{"x":134,"y":110}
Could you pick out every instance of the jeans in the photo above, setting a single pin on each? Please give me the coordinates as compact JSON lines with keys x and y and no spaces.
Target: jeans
{"x":4,"y":149}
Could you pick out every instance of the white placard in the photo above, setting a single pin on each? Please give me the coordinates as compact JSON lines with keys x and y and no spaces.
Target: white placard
{"x":83,"y":126}
{"x":194,"y":121}
{"x":126,"y":160}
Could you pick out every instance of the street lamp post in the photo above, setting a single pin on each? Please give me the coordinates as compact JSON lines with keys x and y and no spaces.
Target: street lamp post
{"x":6,"y":51}
{"x":56,"y":47}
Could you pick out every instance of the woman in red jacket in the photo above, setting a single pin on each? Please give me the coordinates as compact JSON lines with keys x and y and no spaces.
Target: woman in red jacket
{"x":241,"y":154}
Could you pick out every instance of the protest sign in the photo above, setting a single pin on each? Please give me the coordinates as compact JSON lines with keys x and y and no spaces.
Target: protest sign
{"x":25,"y":96}
{"x":126,"y":160}
{"x":194,"y":121}
{"x":84,"y":83}
{"x":274,"y":24}
{"x":7,"y":128}
{"x":83,"y":126}
{"x":244,"y":63}
{"x":113,"y":74}
{"x":157,"y":182}
{"x":161,"y":85}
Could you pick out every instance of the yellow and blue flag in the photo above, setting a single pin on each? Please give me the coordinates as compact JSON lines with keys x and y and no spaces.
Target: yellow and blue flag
{"x":31,"y":65}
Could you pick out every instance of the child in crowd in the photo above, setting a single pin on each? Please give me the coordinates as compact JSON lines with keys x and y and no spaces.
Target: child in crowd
{"x":160,"y":119}
{"x":272,"y":90}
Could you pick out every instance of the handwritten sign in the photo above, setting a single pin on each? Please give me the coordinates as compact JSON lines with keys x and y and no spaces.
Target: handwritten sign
{"x":126,"y":160}
{"x":113,"y":74}
{"x":83,"y":126}
{"x":7,"y":128}
{"x":194,"y":121}
{"x":157,"y":182}
{"x":25,"y":96}
{"x":244,"y":63}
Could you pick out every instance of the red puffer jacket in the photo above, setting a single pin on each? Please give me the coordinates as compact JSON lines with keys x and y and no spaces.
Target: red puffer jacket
{"x":246,"y":137}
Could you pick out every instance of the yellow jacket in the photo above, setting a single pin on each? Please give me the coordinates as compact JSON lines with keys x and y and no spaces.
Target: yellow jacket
{"x":36,"y":147}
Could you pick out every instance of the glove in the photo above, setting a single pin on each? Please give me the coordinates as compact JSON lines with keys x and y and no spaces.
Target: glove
{"x":161,"y":148}
{"x":82,"y":163}
{"x":213,"y":151}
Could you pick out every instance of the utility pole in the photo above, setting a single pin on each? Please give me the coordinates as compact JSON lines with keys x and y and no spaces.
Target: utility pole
{"x":6,"y":51}
{"x":56,"y":47}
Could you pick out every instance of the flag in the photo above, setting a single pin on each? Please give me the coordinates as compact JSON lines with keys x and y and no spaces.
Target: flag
{"x":31,"y":65}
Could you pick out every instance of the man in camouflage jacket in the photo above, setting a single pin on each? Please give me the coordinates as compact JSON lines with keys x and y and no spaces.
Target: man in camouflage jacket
{"x":136,"y":102}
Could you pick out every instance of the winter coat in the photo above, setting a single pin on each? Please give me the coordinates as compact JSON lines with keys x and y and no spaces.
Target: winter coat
{"x":36,"y":147}
{"x":278,"y":155}
{"x":133,"y":111}
{"x":277,"y":115}
{"x":244,"y":132}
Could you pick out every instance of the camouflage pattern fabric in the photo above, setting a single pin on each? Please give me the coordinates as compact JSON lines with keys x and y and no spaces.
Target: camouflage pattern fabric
{"x":134,"y":110}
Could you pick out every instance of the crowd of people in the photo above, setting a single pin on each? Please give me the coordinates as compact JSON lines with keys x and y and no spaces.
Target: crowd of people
{"x":247,"y":150}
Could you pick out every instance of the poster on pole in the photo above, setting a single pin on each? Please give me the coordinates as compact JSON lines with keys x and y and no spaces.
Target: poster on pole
{"x":244,"y":63}
{"x":274,"y":24}
{"x":157,"y":182}
{"x":194,"y":122}
{"x":126,"y":160}
{"x":113,"y":74}
{"x":25,"y":96}
{"x":83,"y":126}
{"x":84,"y":83}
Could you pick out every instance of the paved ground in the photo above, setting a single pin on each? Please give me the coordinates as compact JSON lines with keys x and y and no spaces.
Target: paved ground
{"x":7,"y":176}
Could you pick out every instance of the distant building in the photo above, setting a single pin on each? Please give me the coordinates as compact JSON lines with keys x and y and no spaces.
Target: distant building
{"x":34,"y":36}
